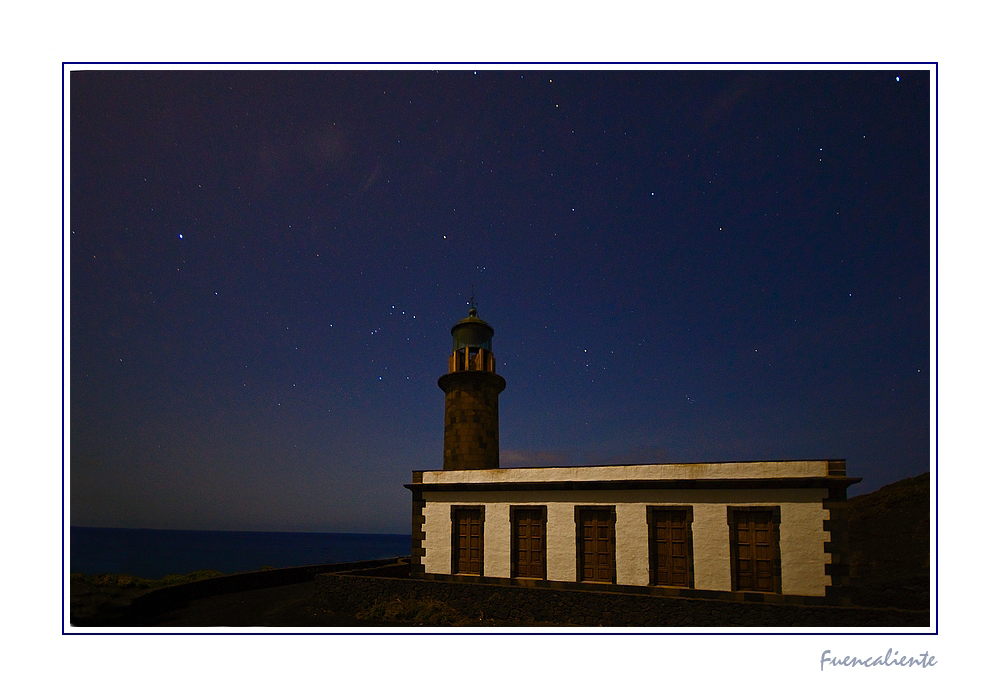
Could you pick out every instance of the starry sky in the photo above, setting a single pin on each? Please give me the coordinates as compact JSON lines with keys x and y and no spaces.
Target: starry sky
{"x":680,"y":265}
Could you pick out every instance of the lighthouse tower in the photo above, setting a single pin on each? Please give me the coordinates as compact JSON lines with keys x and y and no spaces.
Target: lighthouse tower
{"x":471,"y":388}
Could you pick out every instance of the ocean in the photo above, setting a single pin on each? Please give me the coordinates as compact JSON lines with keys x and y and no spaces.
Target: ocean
{"x":157,"y":553}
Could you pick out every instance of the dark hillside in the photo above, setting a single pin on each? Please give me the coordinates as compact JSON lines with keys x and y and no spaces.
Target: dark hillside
{"x":890,"y":545}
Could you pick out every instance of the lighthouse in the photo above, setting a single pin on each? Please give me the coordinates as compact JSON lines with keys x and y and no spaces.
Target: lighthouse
{"x":740,"y":530}
{"x":471,"y":388}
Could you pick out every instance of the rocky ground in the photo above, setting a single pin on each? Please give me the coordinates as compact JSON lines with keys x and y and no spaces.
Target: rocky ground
{"x":104,"y":598}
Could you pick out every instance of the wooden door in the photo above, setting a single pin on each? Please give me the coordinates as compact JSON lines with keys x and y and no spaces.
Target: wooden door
{"x":595,"y":545}
{"x":528,"y":542}
{"x":467,"y":541}
{"x":755,"y":553}
{"x":670,"y":548}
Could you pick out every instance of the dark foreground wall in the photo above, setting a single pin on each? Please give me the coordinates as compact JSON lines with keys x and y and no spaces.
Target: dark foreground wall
{"x":163,"y":599}
{"x":509,"y":605}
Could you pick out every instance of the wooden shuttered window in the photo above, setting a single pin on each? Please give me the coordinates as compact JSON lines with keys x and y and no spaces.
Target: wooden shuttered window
{"x":527,"y":544}
{"x":671,"y":559}
{"x":595,"y":544}
{"x":467,"y":540}
{"x":755,"y":554}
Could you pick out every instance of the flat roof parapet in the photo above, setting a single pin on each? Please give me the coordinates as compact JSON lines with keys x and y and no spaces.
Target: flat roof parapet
{"x":782,"y":469}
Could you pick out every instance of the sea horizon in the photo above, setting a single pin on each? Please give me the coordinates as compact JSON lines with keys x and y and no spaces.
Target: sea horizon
{"x":296,"y":532}
{"x":155,"y":552}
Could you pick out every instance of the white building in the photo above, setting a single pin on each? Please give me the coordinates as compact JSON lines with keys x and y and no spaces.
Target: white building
{"x":724,"y":527}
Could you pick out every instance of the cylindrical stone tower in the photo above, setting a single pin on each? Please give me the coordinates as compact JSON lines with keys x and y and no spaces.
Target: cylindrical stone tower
{"x":471,"y":390}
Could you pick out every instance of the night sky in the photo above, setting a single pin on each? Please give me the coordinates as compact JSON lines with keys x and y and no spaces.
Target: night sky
{"x":680,"y":266}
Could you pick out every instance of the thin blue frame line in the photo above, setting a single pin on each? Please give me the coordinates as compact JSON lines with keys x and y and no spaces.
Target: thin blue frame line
{"x":937,"y":413}
{"x":431,"y":62}
{"x":376,"y":634}
{"x":936,"y":358}
{"x":62,"y":332}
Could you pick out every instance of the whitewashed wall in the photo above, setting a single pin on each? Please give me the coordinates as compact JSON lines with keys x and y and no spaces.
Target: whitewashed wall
{"x":801,"y":535}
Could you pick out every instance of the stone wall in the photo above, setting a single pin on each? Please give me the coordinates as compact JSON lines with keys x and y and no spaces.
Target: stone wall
{"x":162,"y":599}
{"x":485,"y":604}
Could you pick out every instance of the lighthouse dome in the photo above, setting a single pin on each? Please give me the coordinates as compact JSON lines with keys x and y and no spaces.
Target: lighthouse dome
{"x":472,"y":332}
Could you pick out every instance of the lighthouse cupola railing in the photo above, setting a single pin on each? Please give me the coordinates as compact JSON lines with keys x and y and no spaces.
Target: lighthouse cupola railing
{"x":472,"y":358}
{"x":472,"y":340}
